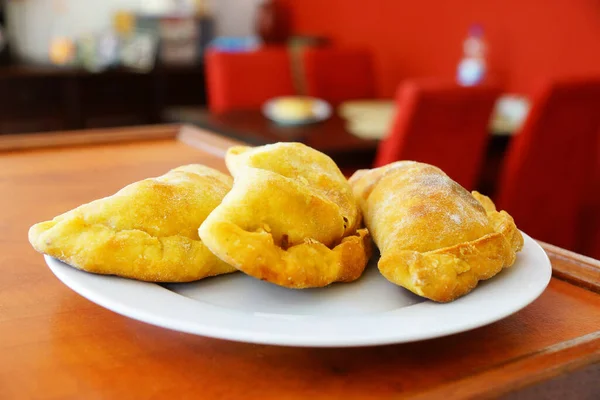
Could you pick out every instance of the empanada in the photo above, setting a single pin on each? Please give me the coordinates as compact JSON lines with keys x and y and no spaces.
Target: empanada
{"x":290,"y":219}
{"x":436,"y":239}
{"x":146,"y":231}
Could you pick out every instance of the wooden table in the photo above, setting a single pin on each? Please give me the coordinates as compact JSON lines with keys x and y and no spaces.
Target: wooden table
{"x":330,"y":136}
{"x":56,"y":344}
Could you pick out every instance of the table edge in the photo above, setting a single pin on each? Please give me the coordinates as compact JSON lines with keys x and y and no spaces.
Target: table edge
{"x":546,"y":364}
{"x":574,"y":268}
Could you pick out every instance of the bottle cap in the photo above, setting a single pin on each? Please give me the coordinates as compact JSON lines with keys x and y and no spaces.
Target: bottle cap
{"x":476,"y":30}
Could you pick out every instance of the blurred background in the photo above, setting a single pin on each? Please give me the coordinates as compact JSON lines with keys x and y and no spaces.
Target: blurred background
{"x":503,"y":95}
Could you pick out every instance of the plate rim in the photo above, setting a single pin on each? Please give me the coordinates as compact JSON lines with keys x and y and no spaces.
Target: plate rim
{"x":122,"y":305}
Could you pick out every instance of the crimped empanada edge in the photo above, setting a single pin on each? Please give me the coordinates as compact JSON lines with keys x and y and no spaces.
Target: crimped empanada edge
{"x":306,"y":265}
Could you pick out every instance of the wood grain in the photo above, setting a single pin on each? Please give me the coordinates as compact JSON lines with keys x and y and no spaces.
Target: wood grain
{"x":578,"y":269}
{"x":330,"y":137}
{"x":56,"y":344}
{"x":86,"y":137}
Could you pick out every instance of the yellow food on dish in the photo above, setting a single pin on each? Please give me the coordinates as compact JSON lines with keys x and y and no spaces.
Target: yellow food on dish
{"x":146,"y":231}
{"x":293,"y":108}
{"x":290,"y":219}
{"x":436,"y":239}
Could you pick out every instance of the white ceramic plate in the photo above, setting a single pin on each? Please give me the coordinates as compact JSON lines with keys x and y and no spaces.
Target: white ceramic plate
{"x":321,"y":110}
{"x":370,"y":311}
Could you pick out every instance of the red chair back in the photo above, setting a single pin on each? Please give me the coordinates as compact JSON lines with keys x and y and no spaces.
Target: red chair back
{"x":589,"y":230}
{"x":337,"y":75}
{"x":441,"y":124}
{"x":550,"y":162}
{"x":244,"y":81}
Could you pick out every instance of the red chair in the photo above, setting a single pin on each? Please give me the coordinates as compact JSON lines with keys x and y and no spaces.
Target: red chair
{"x":589,"y":231}
{"x":441,"y":124}
{"x":549,"y":164}
{"x":337,"y":75}
{"x":244,"y":81}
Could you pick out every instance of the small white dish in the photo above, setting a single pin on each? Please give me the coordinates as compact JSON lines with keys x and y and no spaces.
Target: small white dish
{"x":321,"y":111}
{"x":370,"y":311}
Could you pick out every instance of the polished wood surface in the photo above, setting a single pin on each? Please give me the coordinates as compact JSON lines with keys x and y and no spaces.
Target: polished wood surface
{"x":86,"y":137}
{"x":578,"y":269}
{"x":56,"y":344}
{"x":330,"y":136}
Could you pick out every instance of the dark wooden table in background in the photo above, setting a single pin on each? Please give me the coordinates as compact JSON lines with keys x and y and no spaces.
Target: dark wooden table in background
{"x":330,"y":137}
{"x":56,"y":344}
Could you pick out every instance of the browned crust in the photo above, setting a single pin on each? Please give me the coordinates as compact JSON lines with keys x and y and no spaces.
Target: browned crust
{"x":306,"y":265}
{"x":446,"y":274}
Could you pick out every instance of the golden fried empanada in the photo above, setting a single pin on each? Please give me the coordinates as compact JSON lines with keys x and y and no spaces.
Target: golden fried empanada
{"x":436,"y":239}
{"x":290,"y":219}
{"x":146,"y":231}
